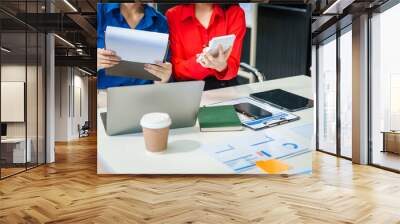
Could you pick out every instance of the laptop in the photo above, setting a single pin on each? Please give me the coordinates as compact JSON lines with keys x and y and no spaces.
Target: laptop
{"x":126,"y":105}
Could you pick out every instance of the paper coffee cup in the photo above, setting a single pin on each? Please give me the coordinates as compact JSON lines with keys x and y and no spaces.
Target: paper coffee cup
{"x":155,"y":131}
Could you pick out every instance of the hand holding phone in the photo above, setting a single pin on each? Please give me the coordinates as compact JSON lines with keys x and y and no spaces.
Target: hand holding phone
{"x":218,"y":62}
{"x":225,"y":42}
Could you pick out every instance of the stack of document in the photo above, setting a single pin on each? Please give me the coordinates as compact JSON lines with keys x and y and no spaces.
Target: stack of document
{"x":135,"y":48}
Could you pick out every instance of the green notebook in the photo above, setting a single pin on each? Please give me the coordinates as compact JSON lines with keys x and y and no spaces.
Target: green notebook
{"x":219,"y":118}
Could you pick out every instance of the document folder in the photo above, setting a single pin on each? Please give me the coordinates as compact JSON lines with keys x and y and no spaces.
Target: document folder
{"x":135,"y":48}
{"x":131,"y":69}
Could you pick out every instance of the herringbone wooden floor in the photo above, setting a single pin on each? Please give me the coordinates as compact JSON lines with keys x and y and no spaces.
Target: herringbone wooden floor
{"x":69,"y":191}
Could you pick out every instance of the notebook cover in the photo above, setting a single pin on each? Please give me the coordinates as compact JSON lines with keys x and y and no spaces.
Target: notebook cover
{"x":219,"y":118}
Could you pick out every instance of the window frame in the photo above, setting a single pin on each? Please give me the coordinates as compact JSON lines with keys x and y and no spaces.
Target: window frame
{"x":334,"y":37}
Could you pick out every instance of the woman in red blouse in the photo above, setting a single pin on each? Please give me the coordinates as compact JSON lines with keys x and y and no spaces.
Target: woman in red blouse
{"x":191,"y":27}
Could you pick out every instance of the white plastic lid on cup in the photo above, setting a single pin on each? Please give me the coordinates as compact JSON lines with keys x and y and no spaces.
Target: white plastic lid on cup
{"x":155,"y":120}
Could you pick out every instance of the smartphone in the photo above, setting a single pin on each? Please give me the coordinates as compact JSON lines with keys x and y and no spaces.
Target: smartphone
{"x":251,"y":110}
{"x":225,"y":41}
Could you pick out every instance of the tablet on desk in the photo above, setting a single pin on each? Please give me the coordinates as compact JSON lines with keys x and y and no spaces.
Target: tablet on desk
{"x":283,"y":100}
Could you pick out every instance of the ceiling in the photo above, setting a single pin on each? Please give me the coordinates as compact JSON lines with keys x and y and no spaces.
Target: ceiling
{"x":337,"y":14}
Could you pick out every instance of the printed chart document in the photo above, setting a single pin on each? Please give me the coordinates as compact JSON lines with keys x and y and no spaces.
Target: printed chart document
{"x":135,"y":48}
{"x":241,"y":154}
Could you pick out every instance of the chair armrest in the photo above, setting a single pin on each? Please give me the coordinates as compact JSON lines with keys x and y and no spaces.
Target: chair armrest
{"x":248,"y":68}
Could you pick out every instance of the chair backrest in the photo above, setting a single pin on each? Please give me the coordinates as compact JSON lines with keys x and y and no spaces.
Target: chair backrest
{"x":86,"y":125}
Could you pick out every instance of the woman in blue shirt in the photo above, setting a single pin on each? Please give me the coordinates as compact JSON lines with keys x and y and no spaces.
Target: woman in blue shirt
{"x":134,"y":16}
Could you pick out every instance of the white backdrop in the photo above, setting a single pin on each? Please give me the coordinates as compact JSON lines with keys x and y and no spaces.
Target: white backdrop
{"x":12,"y":101}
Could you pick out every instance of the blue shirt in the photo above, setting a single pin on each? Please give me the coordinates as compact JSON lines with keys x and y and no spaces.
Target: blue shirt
{"x":109,"y":14}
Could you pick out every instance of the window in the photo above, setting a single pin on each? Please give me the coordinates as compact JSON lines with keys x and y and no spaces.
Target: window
{"x":334,"y":106}
{"x":346,"y":92}
{"x":327,"y":96}
{"x":385,"y":85}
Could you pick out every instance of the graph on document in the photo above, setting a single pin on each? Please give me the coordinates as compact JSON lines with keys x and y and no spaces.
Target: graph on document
{"x":241,"y":154}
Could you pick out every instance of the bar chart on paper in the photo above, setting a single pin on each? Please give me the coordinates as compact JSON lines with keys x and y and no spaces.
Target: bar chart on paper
{"x":241,"y":155}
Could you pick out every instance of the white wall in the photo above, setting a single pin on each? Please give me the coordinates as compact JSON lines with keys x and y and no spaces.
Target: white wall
{"x":12,"y":101}
{"x":17,"y":73}
{"x":82,"y":83}
{"x":14,"y":73}
{"x":71,"y":93}
{"x":34,"y":125}
{"x":80,"y":109}
{"x":248,"y":9}
{"x":61,"y":103}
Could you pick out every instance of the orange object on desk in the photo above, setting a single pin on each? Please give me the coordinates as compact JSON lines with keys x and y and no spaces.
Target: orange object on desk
{"x":272,"y":166}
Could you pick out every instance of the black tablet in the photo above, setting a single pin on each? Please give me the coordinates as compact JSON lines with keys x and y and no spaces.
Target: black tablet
{"x":283,"y":100}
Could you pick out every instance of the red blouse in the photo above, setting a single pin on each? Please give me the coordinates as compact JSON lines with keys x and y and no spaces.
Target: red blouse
{"x":188,"y":37}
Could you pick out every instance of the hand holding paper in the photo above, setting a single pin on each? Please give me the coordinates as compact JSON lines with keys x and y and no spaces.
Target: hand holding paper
{"x":134,"y":49}
{"x":106,"y":58}
{"x":161,"y":70}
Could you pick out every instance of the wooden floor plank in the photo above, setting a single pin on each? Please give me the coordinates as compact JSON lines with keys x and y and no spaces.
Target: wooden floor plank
{"x":70,"y":191}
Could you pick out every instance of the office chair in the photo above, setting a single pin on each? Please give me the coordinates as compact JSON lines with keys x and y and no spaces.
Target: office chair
{"x":84,"y":130}
{"x":249,"y":72}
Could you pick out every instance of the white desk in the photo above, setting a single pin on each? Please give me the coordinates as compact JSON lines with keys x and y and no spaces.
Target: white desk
{"x":18,"y":153}
{"x":126,"y":154}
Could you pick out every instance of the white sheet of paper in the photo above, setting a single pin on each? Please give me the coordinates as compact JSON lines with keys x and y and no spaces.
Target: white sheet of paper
{"x":136,"y":45}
